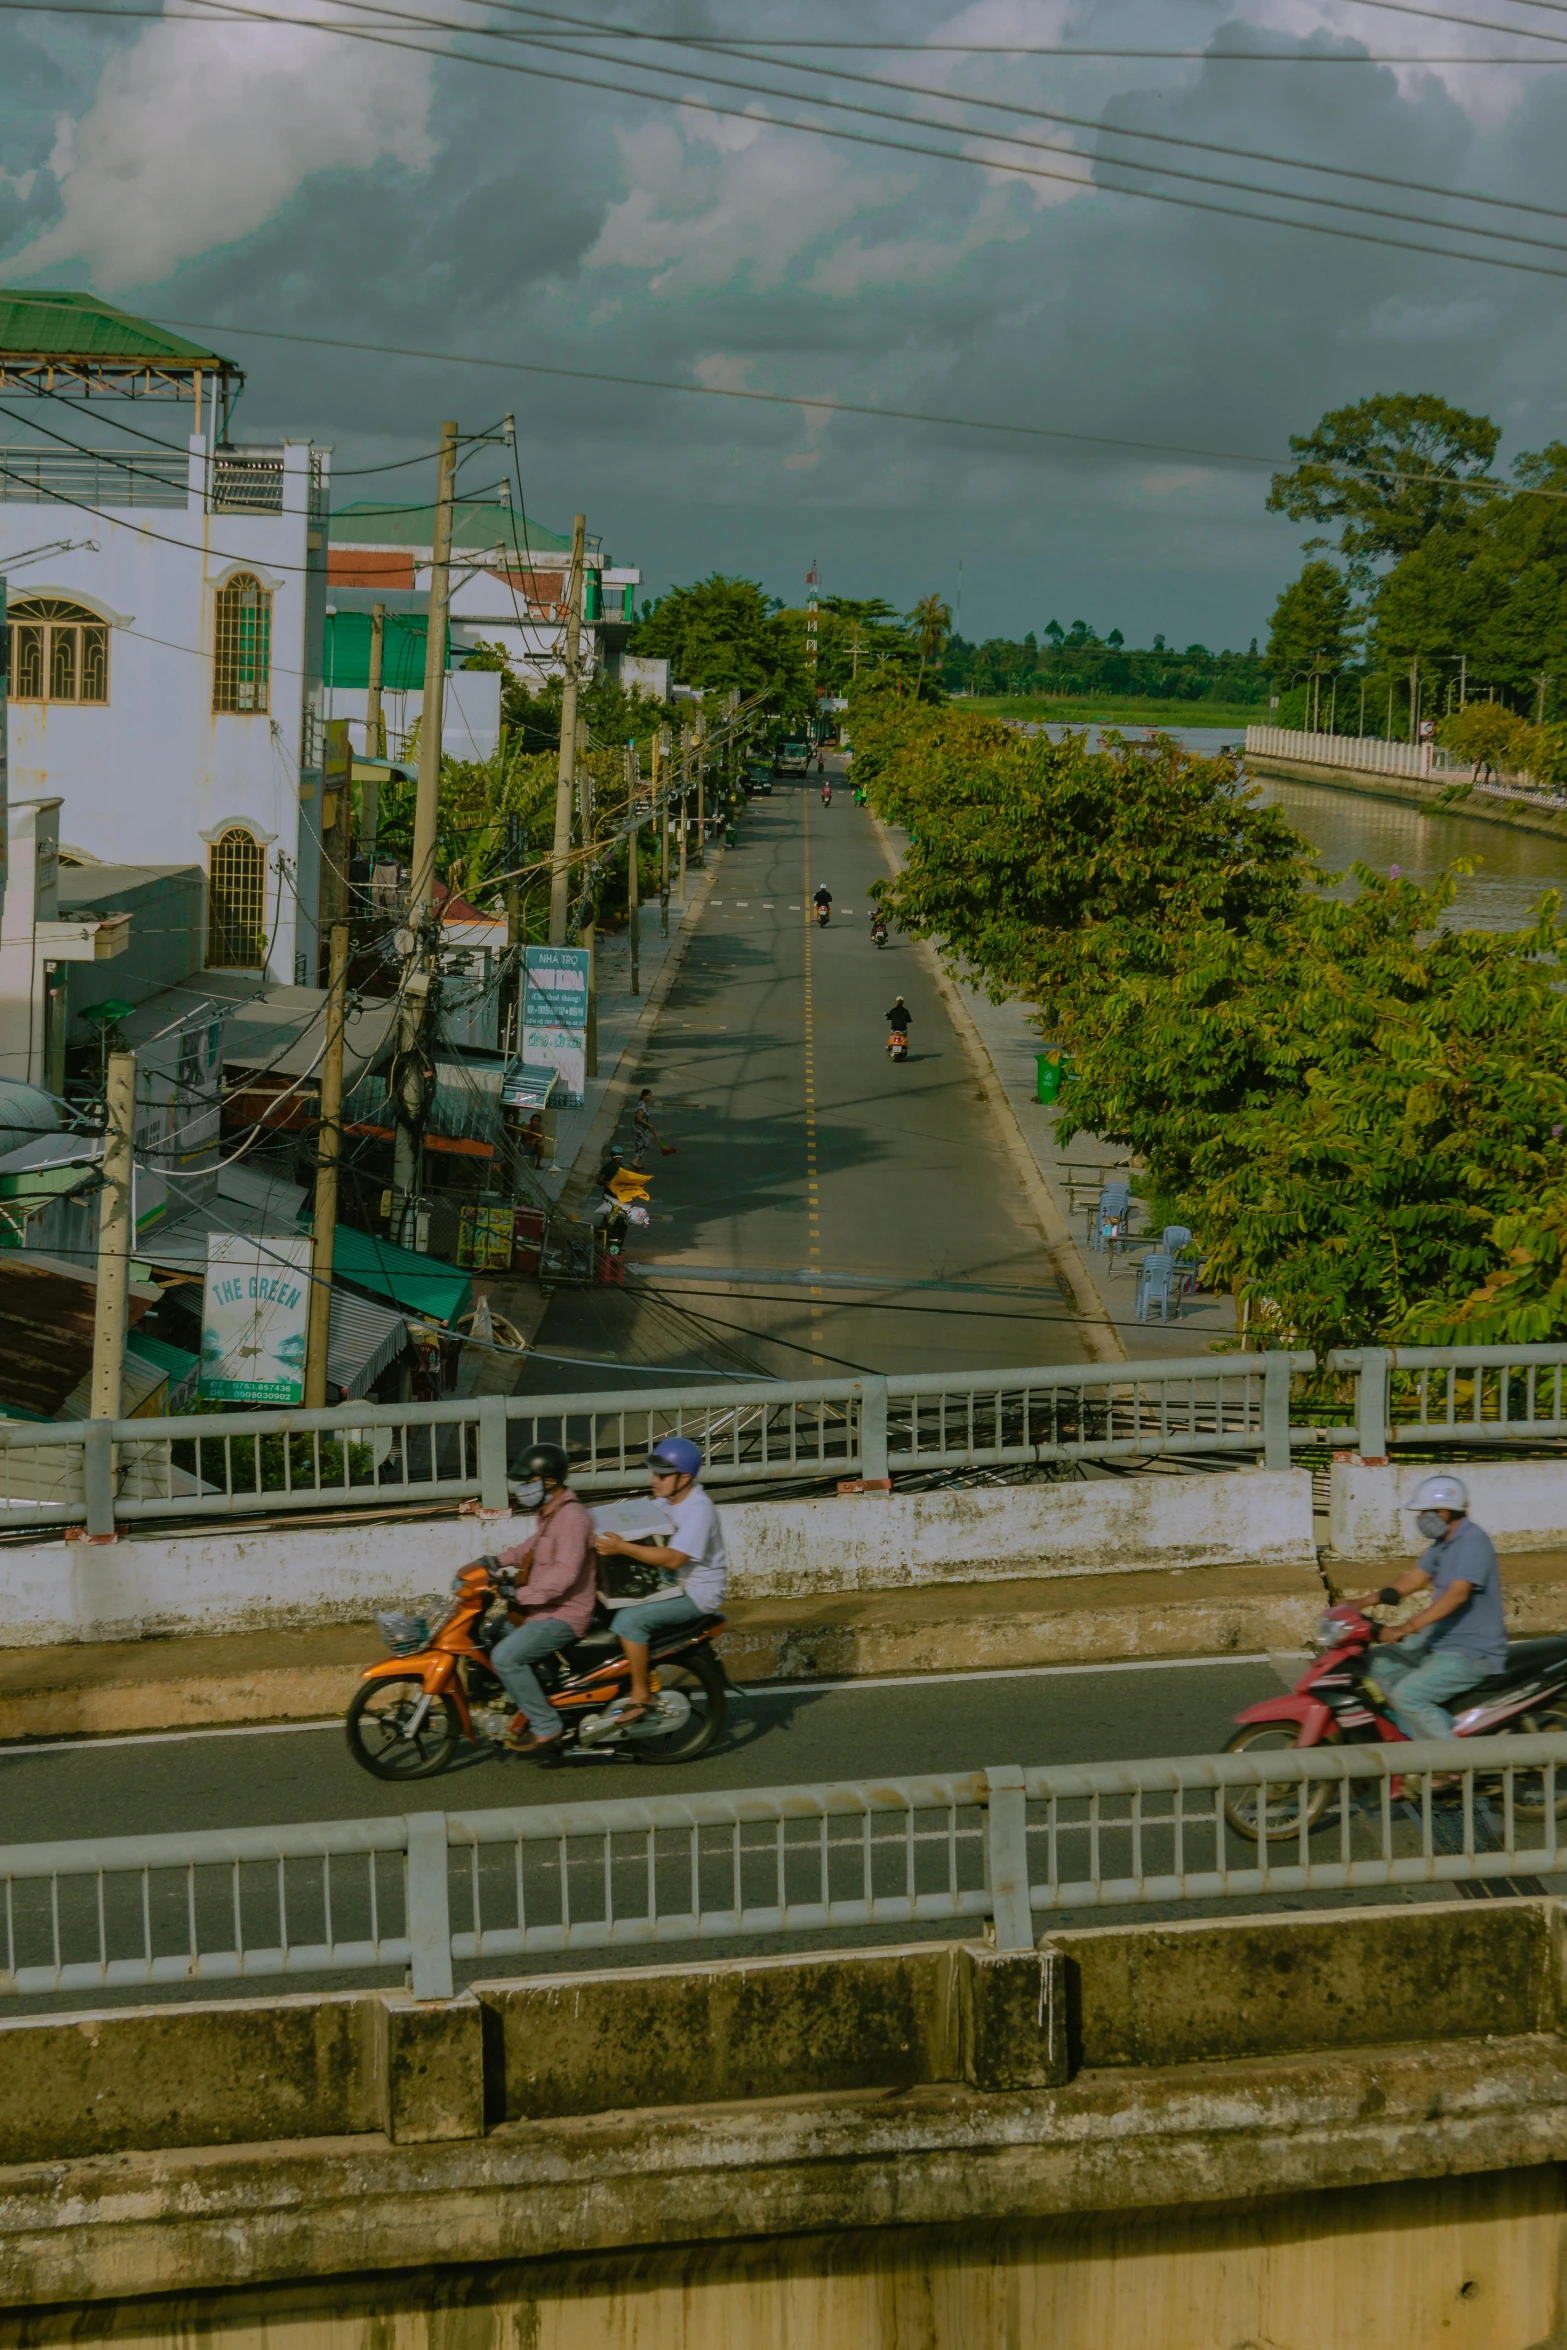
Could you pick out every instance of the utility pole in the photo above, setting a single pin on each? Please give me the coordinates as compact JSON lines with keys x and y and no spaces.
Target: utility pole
{"x":329,"y":1144}
{"x":516,"y":851}
{"x":701,"y":789}
{"x":415,"y":1006}
{"x":633,"y":914}
{"x":1414,"y":697}
{"x":565,"y":773}
{"x":685,"y":786}
{"x":1539,"y":700}
{"x":1463,"y":681}
{"x":115,"y":1226}
{"x":375,"y":730}
{"x":661,"y":750}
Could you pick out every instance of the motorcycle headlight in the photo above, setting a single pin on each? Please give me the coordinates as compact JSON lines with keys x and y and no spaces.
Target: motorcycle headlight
{"x":1329,"y":1633}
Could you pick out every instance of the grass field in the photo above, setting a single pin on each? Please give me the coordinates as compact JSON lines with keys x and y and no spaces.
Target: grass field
{"x":1112,"y":710}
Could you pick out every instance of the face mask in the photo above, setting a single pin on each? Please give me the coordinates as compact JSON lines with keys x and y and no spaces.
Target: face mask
{"x":1432,"y":1525}
{"x":530,"y":1496}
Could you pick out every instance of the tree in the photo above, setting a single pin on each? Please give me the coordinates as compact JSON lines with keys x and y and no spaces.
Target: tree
{"x":930,"y":624}
{"x":1488,"y":733}
{"x":1346,"y":1100}
{"x":1312,"y":627}
{"x":724,"y":632}
{"x":1393,"y":471}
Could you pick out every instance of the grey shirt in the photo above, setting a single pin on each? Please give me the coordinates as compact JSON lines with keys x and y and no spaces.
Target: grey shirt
{"x":1466,"y":1554}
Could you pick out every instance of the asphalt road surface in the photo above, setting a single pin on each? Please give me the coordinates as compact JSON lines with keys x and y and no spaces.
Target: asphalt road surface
{"x":776,"y":1737}
{"x":825,"y":1210}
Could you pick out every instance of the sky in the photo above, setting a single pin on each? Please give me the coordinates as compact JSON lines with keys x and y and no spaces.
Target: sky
{"x":250,"y":175}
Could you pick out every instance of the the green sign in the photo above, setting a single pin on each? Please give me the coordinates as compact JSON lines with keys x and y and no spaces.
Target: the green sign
{"x":255,"y":1316}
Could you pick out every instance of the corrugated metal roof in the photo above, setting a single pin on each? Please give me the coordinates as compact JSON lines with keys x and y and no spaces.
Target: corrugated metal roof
{"x":421,"y":1285}
{"x":477,"y":525}
{"x":46,"y":1326}
{"x":36,"y":324}
{"x":363,"y":1339}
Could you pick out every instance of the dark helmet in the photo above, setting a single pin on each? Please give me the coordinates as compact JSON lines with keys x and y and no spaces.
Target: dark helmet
{"x":546,"y":1460}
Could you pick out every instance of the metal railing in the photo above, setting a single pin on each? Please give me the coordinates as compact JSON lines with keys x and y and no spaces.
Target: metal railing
{"x":381,"y":1457}
{"x":95,"y":477}
{"x":1372,"y":756}
{"x":1004,"y":1847}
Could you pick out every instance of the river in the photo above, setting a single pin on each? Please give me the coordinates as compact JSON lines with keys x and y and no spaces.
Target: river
{"x":1512,"y":869}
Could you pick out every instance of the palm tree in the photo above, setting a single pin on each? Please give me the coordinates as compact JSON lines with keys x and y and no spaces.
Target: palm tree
{"x":930,"y":624}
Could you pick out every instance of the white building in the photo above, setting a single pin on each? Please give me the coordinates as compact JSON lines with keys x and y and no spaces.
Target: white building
{"x":166,"y":602}
{"x":509,"y":580}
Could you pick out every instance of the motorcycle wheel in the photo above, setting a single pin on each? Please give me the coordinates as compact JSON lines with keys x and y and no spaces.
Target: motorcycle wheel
{"x":1547,"y":1720}
{"x":376,"y":1724}
{"x":1270,"y":1813}
{"x":700,"y":1680}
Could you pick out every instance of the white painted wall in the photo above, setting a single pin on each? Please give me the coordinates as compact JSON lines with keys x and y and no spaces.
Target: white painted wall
{"x":152,"y":776}
{"x":470,"y":713}
{"x":227,"y":1579}
{"x":1521,"y":1504}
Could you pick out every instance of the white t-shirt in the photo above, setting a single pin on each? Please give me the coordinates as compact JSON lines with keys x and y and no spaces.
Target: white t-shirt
{"x":697,"y":1532}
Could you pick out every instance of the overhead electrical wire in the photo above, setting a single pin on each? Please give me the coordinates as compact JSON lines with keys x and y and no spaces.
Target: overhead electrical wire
{"x":233,"y":12}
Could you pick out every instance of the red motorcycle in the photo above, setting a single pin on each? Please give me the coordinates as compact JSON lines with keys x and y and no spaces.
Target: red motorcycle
{"x":1338,"y":1701}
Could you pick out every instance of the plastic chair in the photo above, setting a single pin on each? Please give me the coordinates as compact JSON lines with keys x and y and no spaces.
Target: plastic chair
{"x":1175,"y":1238}
{"x":1157,"y":1282}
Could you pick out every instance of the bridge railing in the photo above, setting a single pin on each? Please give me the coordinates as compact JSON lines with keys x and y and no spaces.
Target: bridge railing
{"x":1263,"y":1406}
{"x":430,"y":1892}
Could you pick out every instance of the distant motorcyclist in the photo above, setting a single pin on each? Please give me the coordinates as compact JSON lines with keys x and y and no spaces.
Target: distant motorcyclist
{"x":821,"y":903}
{"x":899,"y":1017}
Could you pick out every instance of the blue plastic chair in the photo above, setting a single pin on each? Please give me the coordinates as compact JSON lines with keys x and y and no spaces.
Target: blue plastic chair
{"x":1158,"y":1281}
{"x":1176,"y":1237}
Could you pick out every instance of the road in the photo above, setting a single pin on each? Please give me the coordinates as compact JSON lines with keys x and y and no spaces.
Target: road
{"x":777,"y":1737}
{"x":824,"y":1210}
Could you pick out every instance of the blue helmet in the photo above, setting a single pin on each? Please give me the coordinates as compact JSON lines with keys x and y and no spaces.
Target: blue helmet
{"x":676,"y":1456}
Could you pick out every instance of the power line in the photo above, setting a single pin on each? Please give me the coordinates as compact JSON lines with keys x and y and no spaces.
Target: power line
{"x":810,"y":400}
{"x":230,"y":10}
{"x":1074,"y":121}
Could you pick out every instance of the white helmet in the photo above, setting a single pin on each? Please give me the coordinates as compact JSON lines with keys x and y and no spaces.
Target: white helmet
{"x":1440,"y":1493}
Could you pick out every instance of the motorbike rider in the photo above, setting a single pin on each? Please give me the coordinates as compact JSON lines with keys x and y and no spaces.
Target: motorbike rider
{"x":878,"y":926}
{"x":822,"y":897}
{"x":1461,"y":1638}
{"x":899,"y":1017}
{"x":554,"y":1603}
{"x":694,"y":1558}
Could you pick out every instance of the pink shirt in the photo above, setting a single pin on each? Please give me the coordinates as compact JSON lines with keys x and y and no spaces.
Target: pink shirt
{"x":562,"y":1564}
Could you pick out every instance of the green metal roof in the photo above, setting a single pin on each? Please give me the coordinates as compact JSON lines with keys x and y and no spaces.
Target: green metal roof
{"x":420,"y":1285}
{"x":477,"y":525}
{"x":64,"y":326}
{"x":347,"y":656}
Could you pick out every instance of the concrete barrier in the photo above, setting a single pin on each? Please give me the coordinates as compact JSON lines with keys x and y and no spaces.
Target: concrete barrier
{"x":1262,"y":2130}
{"x":238,"y":1578}
{"x":1521,"y":1504}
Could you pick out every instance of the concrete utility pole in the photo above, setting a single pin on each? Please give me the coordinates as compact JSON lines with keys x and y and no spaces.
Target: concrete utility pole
{"x":565,"y":774}
{"x":421,"y":885}
{"x":375,"y":730}
{"x":633,"y":916}
{"x":701,"y":791}
{"x":1414,"y":697}
{"x":329,"y":1144}
{"x":115,"y":1230}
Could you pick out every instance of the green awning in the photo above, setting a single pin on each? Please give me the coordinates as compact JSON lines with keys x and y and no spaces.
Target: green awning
{"x":419,"y":1285}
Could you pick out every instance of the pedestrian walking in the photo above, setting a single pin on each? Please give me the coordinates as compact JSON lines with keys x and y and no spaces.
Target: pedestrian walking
{"x":643,"y":1128}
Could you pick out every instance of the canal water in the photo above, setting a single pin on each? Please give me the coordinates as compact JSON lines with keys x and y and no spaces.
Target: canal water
{"x":1512,"y":870}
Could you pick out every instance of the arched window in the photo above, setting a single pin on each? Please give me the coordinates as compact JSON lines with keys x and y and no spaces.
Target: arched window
{"x":59,"y":652}
{"x":236,"y":902}
{"x":242,"y":659}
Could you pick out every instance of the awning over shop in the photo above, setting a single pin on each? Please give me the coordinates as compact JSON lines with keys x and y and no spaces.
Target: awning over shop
{"x":420,"y":1285}
{"x":363,"y":1341}
{"x":525,"y":1087}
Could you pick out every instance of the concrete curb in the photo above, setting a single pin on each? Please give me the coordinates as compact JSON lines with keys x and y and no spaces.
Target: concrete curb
{"x":1100,"y":1335}
{"x":135,"y":1687}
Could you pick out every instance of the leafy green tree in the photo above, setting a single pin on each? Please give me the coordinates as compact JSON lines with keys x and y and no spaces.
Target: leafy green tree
{"x":1488,"y":733}
{"x":1392,"y":471}
{"x":723,"y":632}
{"x":1313,"y":628}
{"x":1346,"y":1098}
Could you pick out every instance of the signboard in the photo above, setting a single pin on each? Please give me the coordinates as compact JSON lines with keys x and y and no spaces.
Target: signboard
{"x":254,"y":1317}
{"x":525,"y":1088}
{"x":555,"y":1017}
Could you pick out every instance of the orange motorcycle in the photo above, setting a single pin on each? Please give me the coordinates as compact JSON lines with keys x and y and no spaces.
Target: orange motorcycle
{"x":438,"y":1691}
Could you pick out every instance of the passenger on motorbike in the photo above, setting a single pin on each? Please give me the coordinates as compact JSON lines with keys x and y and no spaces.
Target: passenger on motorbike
{"x":1461,"y":1638}
{"x":693,"y":1558}
{"x":554,"y":1604}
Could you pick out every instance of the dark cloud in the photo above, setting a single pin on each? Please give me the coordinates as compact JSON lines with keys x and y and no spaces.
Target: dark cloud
{"x":513,"y":217}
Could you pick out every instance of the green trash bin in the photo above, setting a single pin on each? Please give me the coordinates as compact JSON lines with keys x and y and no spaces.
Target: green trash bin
{"x":730,"y":836}
{"x":1051,"y":1068}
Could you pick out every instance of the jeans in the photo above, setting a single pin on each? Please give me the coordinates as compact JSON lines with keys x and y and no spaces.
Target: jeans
{"x":644,"y":1617}
{"x":513,"y":1660}
{"x":1417,"y":1681}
